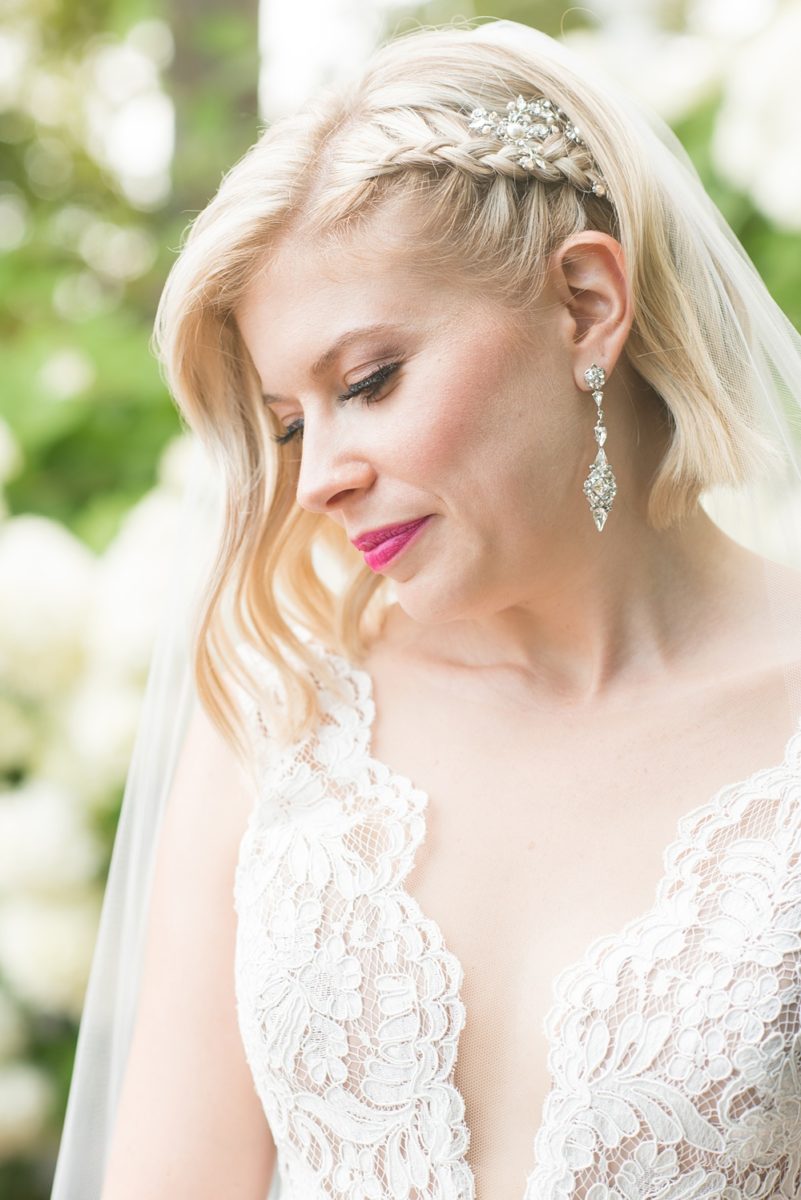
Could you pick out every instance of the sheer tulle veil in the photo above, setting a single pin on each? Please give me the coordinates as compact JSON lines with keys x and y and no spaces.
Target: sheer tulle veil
{"x":112,"y":992}
{"x":762,"y":364}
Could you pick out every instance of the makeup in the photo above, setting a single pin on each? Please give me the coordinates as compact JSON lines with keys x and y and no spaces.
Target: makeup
{"x":389,"y":550}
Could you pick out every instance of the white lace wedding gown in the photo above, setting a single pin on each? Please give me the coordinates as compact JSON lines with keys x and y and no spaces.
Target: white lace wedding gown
{"x":675,"y":1044}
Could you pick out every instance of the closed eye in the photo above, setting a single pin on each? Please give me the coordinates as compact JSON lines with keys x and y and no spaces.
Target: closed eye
{"x":368,"y":388}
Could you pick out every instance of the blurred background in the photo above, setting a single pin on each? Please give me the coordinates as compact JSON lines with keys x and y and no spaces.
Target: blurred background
{"x":118,"y":119}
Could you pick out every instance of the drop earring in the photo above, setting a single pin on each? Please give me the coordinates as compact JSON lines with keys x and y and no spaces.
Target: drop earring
{"x":600,"y":486}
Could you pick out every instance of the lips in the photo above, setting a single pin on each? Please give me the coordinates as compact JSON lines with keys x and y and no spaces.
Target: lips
{"x":374,"y":537}
{"x":388,"y":550}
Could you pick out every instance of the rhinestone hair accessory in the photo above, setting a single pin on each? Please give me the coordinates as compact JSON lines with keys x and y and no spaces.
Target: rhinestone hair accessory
{"x":526,"y":125}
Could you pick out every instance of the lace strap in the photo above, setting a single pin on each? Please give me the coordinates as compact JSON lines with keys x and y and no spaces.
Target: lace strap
{"x":256,"y":711}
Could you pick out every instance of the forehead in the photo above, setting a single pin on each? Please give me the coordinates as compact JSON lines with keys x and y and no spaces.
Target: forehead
{"x":310,"y":293}
{"x":309,"y":285}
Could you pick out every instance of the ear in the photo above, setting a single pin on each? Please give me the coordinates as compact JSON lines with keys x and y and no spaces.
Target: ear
{"x":588,"y":274}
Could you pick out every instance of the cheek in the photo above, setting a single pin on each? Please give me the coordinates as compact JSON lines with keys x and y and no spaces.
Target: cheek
{"x":508,"y":458}
{"x":489,"y":434}
{"x":452,"y":444}
{"x":466,"y":419}
{"x":442,"y":425}
{"x":482,"y":425}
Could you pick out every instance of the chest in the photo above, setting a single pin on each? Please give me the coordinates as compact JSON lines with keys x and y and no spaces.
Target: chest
{"x":544,"y":838}
{"x":554,"y":827}
{"x":451,"y":947}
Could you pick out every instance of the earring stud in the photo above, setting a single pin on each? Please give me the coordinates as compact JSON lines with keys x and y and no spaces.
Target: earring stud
{"x":600,"y":486}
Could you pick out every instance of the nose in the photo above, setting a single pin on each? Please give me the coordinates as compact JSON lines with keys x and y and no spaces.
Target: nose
{"x":331,"y":467}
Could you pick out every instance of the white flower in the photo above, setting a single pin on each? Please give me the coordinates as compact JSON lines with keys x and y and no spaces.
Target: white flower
{"x":332,"y":980}
{"x":705,"y":994}
{"x":94,"y":734}
{"x":175,"y":463}
{"x":683,"y":68}
{"x":134,"y":578}
{"x":26,"y":1101}
{"x":699,"y":1059}
{"x":648,"y":1172}
{"x":757,"y":139}
{"x":753,"y":1003}
{"x":48,"y":577}
{"x":117,"y":251}
{"x":128,"y":118}
{"x":148,"y":562}
{"x":66,"y":373}
{"x":355,"y":1176}
{"x":45,"y":844}
{"x":46,"y":950}
{"x":722,"y":19}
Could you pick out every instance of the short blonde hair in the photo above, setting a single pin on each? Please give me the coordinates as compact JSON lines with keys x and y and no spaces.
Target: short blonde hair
{"x":399,"y":132}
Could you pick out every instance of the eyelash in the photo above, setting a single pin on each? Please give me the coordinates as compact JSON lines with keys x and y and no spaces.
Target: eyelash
{"x":366,"y":387}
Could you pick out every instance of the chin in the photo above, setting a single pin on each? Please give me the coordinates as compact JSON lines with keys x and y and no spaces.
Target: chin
{"x":428,"y":604}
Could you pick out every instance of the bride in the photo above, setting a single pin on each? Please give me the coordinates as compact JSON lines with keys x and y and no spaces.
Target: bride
{"x":510,"y":812}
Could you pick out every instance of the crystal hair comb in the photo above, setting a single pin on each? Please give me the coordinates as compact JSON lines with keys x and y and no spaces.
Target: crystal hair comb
{"x":526,"y":125}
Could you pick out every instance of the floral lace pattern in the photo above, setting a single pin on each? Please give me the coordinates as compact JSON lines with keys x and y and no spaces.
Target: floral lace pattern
{"x":675,"y":1045}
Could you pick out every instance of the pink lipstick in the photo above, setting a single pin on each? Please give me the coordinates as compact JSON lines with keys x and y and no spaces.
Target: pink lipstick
{"x":390,"y":548}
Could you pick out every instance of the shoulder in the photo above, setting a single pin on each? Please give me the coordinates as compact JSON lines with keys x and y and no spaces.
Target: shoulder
{"x":211,"y":789}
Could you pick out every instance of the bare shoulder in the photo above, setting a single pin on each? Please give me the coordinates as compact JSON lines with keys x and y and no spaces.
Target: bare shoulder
{"x":192,"y":1124}
{"x":210,"y":775}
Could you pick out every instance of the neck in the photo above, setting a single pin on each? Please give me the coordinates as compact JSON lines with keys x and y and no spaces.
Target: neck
{"x":627,"y":613}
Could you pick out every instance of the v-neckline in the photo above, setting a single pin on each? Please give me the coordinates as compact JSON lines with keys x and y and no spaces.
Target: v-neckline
{"x":684,"y":824}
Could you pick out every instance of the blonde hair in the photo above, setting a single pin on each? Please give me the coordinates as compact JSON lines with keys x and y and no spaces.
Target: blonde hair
{"x":399,"y":131}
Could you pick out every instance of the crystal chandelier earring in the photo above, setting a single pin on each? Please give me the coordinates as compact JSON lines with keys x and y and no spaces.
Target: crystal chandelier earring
{"x":600,"y":486}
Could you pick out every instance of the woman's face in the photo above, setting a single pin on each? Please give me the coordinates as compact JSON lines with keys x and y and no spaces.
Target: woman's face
{"x":466,"y":421}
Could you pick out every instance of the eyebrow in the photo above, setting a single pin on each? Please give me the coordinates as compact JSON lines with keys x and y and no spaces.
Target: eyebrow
{"x":322,"y":363}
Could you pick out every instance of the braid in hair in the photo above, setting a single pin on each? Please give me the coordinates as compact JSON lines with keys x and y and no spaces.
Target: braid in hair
{"x":559,"y":156}
{"x":561,"y":161}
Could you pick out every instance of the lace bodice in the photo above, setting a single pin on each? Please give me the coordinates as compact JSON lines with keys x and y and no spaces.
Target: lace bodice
{"x":674,"y":1044}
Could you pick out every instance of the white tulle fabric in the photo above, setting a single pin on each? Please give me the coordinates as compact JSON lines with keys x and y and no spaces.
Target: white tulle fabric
{"x":675,"y":1044}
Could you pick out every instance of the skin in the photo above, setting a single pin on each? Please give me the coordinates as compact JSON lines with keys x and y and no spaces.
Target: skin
{"x":488,"y":425}
{"x":530,"y":660}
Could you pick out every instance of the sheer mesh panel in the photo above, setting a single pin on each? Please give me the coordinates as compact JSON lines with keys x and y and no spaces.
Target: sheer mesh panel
{"x":675,"y":1050}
